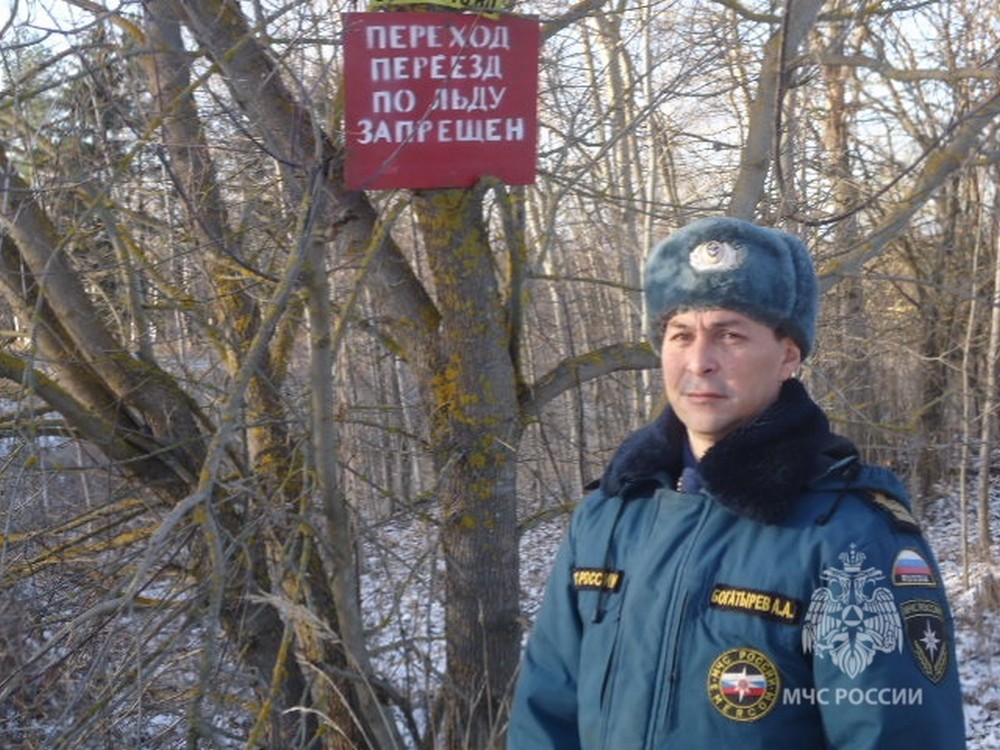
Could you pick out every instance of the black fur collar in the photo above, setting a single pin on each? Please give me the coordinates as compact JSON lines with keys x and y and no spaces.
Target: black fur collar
{"x":758,"y":470}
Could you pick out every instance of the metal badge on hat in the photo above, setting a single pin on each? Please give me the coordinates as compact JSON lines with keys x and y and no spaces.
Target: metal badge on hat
{"x":715,"y":255}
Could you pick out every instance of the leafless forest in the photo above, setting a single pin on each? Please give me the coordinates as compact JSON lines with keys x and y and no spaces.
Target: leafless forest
{"x":269,"y":446}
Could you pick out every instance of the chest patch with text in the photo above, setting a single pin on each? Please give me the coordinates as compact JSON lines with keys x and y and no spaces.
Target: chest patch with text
{"x":767,"y":604}
{"x":596,"y":579}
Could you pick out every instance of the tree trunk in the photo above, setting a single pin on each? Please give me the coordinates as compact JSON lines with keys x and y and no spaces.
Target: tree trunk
{"x":988,"y":418}
{"x":852,"y":333}
{"x":765,"y":121}
{"x":476,"y":431}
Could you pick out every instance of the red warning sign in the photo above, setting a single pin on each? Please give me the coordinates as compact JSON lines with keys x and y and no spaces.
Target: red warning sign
{"x":439,"y":100}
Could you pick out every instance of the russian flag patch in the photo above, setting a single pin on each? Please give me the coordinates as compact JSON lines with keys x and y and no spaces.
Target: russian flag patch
{"x":911,"y":569}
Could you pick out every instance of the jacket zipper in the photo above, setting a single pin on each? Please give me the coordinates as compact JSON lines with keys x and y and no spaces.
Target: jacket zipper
{"x":664,"y":703}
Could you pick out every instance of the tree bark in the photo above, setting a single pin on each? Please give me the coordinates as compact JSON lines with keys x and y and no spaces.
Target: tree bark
{"x":765,"y":119}
{"x":476,"y":429}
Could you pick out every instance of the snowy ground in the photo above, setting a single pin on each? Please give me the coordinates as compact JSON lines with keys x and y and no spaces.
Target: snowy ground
{"x":976,"y":607}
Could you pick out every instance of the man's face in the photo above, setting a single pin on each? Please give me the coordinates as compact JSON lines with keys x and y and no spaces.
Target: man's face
{"x":721,"y":369}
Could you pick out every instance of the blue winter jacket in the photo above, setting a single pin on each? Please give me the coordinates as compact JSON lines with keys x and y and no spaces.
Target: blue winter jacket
{"x":791,"y":603}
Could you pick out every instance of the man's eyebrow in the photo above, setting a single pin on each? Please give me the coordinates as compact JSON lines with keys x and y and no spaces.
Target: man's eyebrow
{"x":724,"y":323}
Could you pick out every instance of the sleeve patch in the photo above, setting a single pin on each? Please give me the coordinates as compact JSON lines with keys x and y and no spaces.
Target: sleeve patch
{"x":927,"y":636}
{"x":911,"y":569}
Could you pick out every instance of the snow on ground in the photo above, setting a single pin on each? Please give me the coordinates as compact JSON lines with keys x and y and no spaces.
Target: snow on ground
{"x":976,"y":607}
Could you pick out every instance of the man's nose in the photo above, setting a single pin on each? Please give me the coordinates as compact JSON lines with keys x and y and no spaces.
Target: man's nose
{"x":702,"y":357}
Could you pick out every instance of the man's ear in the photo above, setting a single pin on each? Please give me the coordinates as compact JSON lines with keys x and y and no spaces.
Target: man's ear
{"x":793,"y":358}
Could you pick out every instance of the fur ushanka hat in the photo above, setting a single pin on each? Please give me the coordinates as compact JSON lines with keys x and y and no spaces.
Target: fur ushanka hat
{"x":730,"y":264}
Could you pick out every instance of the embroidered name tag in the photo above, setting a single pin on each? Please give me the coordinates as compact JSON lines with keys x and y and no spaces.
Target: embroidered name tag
{"x":595,"y":579}
{"x":766,"y":604}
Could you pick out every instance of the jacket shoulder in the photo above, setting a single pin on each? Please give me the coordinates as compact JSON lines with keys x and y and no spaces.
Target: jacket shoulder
{"x":883,"y":491}
{"x":876,"y":490}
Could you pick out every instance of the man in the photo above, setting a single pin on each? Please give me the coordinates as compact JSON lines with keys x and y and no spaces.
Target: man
{"x":739,"y":578}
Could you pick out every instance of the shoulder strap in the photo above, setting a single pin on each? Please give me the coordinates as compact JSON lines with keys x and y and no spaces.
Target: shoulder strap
{"x":896,"y":509}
